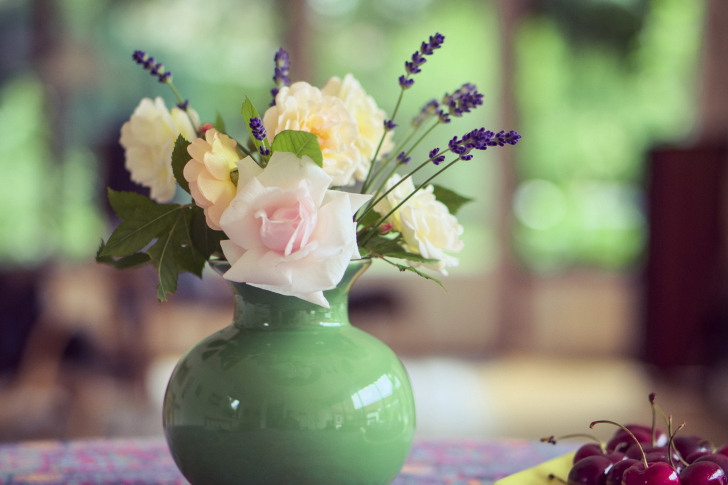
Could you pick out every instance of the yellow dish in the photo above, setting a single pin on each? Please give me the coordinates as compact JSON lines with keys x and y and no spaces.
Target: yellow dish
{"x":539,"y":475}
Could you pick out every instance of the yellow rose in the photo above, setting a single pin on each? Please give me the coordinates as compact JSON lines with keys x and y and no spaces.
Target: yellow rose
{"x":208,"y":174}
{"x":369,"y":119}
{"x":303,"y":107}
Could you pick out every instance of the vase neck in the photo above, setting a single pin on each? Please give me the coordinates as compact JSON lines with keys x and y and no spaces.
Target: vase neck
{"x":260,"y":309}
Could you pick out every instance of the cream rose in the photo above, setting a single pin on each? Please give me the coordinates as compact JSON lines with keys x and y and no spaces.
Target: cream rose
{"x":148,"y":140}
{"x":426,"y":224}
{"x":208,"y":173}
{"x":288,"y":233}
{"x":303,"y":107}
{"x":369,"y":119}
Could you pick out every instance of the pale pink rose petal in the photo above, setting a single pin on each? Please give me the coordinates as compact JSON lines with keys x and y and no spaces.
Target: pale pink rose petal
{"x":256,"y":265}
{"x":308,"y":172}
{"x":232,"y":251}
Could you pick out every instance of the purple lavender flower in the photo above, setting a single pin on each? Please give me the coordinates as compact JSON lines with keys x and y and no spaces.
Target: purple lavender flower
{"x":155,"y":69}
{"x":283,"y":66}
{"x":402,"y":159}
{"x":185,"y":105}
{"x":264,"y":150}
{"x":280,"y":76}
{"x":466,"y":157}
{"x":510,"y":138}
{"x":428,"y":110}
{"x":463,"y":100}
{"x":389,"y":125}
{"x":413,"y":66}
{"x":436,"y":159}
{"x":256,"y":126}
{"x":405,"y":83}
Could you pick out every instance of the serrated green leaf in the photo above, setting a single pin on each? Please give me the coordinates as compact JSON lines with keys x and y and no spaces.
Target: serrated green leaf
{"x":248,"y":111}
{"x":180,"y":157}
{"x":190,"y":259}
{"x":125,"y":203}
{"x":452,"y":200}
{"x":165,"y":261}
{"x":132,"y":261}
{"x":220,"y":124}
{"x":403,"y":267}
{"x":205,"y":239}
{"x":139,"y":229}
{"x":299,"y":143}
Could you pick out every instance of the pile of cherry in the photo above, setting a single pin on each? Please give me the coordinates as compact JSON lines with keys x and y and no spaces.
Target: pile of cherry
{"x":643,"y":455}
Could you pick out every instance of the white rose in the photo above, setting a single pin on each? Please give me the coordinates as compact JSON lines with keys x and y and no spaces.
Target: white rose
{"x":148,"y":139}
{"x":369,"y":119}
{"x":426,"y":224}
{"x":303,"y":107}
{"x":288,"y":233}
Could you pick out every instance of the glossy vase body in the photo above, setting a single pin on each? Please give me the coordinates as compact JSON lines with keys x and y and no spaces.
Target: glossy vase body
{"x":290,"y":393}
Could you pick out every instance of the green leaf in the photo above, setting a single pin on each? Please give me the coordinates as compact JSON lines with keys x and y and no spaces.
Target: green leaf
{"x":205,"y":239}
{"x":403,"y":267}
{"x":370,"y":218}
{"x":135,"y":260}
{"x":410,"y":257}
{"x":299,"y":143}
{"x":452,"y":200}
{"x":248,"y":111}
{"x":165,"y":261}
{"x":220,"y":124}
{"x":180,"y":157}
{"x":190,"y":259}
{"x":139,"y":228}
{"x":381,"y":245}
{"x":125,"y":203}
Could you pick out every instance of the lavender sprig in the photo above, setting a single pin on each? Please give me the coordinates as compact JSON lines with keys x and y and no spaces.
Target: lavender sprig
{"x":155,"y":69}
{"x":478,"y":139}
{"x":411,"y":67}
{"x":282,"y":70}
{"x":158,"y":70}
{"x":256,"y":126}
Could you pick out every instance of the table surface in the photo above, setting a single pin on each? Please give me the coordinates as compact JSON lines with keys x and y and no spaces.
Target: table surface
{"x":147,"y":461}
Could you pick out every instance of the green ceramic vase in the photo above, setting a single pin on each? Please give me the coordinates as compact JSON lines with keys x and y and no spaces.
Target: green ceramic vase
{"x":289,"y":393}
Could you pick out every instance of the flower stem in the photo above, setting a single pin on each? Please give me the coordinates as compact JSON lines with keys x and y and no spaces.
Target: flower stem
{"x":381,"y":141}
{"x":181,"y":100}
{"x":417,"y":189}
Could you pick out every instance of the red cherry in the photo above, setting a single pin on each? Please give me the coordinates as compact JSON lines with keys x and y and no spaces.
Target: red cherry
{"x":616,"y":456}
{"x":591,"y":470}
{"x":622,"y":440}
{"x":723,"y":450}
{"x":703,"y":473}
{"x":686,"y":445}
{"x":694,"y":456}
{"x":655,"y":474}
{"x":589,"y":449}
{"x":614,"y":477}
{"x":720,"y":460}
{"x":635,"y":450}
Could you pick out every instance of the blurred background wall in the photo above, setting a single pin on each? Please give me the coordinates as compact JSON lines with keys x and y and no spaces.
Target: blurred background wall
{"x":594,"y":268}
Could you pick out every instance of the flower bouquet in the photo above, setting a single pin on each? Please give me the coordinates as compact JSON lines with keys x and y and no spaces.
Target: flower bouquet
{"x":317,"y":181}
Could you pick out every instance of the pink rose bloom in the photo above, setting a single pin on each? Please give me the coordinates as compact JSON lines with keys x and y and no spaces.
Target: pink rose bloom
{"x":288,"y":233}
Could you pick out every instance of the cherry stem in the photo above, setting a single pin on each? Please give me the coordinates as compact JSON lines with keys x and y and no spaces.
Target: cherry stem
{"x":551,"y":439}
{"x":554,"y":477}
{"x":671,"y":443}
{"x":605,"y":421}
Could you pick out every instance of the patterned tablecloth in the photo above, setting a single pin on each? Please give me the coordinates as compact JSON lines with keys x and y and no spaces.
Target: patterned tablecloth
{"x":147,"y":461}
